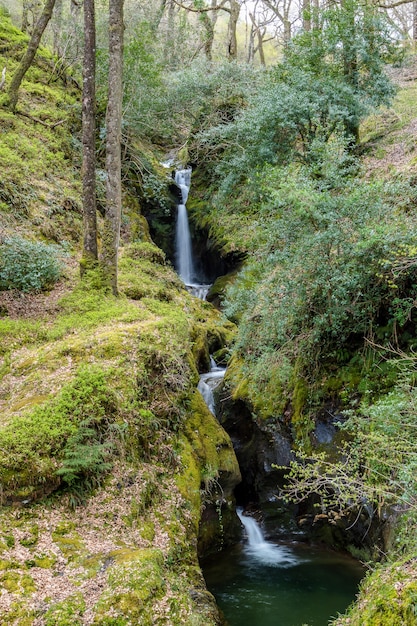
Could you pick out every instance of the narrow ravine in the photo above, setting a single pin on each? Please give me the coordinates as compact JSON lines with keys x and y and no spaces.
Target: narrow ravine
{"x":264,"y":580}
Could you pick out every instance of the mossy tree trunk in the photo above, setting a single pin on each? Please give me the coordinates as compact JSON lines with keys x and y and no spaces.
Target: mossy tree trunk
{"x":306,"y":13}
{"x":30,"y":53}
{"x":89,"y":138}
{"x":111,"y":229}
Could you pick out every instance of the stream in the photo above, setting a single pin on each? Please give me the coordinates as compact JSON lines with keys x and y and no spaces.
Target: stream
{"x":261,"y":582}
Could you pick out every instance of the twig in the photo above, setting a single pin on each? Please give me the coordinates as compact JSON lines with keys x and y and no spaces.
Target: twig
{"x":38,"y":121}
{"x":3,"y":79}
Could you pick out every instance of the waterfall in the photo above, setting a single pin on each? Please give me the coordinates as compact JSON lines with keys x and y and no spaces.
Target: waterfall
{"x":208,"y":383}
{"x":184,"y":257}
{"x":262,"y":552}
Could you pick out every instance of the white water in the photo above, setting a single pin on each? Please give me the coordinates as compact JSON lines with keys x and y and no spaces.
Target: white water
{"x":262,"y":552}
{"x":208,"y":383}
{"x":185,"y":264}
{"x":184,"y":254}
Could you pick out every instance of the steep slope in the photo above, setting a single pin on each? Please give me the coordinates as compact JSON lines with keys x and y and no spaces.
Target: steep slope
{"x":109,"y":453}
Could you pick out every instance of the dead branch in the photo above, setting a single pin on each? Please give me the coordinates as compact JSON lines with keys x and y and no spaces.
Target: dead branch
{"x":206,"y":10}
{"x":392,"y":5}
{"x":3,"y":79}
{"x":38,"y":121}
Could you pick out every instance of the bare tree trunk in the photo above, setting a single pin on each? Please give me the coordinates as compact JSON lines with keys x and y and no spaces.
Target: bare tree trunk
{"x":231,"y":31}
{"x":316,"y":13}
{"x":30,"y":53}
{"x":251,"y":44}
{"x":89,"y":138}
{"x":306,"y":10}
{"x":57,"y":26}
{"x":36,"y":8}
{"x":350,"y":66}
{"x":159,"y":15}
{"x":25,"y":16}
{"x":287,"y":31}
{"x":112,"y":218}
{"x":415,"y":22}
{"x":169,"y":45}
{"x":261,"y":34}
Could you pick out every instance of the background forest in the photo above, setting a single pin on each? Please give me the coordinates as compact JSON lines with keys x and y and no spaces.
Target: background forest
{"x":299,"y":122}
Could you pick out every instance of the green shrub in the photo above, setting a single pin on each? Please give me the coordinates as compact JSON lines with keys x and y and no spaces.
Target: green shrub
{"x":27,"y":265}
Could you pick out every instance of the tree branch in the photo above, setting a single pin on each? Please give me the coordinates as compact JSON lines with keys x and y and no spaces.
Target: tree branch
{"x":392,"y":5}
{"x":220,"y":7}
{"x":38,"y":121}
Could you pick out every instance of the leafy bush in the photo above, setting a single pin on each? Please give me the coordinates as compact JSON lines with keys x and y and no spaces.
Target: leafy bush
{"x":332,"y":267}
{"x":27,"y":265}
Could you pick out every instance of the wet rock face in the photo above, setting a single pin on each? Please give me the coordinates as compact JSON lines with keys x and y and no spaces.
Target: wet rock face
{"x":220,"y":526}
{"x":259,"y":447}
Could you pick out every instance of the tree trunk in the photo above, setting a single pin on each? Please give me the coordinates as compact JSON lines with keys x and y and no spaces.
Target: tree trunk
{"x":316,"y":15}
{"x":287,"y":32}
{"x":159,"y":15}
{"x":231,"y":31}
{"x":306,"y":10}
{"x":350,"y":65}
{"x":89,"y":138}
{"x":251,"y":44}
{"x":57,"y":27}
{"x":111,"y":229}
{"x":261,"y":34}
{"x":25,"y":16}
{"x":208,"y":36}
{"x":414,"y":22}
{"x":30,"y":53}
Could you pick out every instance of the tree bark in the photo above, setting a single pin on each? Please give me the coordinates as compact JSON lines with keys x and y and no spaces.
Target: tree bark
{"x":89,"y":138}
{"x":306,"y":10}
{"x":415,"y":22}
{"x":25,"y":16}
{"x":57,"y":27}
{"x":112,"y":218}
{"x":159,"y":15}
{"x":350,"y":65}
{"x":30,"y":53}
{"x":231,"y":31}
{"x":209,"y":35}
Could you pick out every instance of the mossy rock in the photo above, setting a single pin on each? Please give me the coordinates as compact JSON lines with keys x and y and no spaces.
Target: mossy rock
{"x":387,"y":597}
{"x":135,"y":580}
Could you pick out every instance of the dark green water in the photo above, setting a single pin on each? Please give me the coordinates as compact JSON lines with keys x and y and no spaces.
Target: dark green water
{"x":267,"y":584}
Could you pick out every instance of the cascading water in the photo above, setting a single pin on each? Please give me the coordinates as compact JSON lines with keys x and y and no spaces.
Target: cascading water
{"x":275,"y":584}
{"x":183,"y":246}
{"x":209,"y":381}
{"x":184,"y":257}
{"x":264,"y":552}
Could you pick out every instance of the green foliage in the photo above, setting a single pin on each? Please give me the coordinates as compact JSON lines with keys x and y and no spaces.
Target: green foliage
{"x":376,"y":468}
{"x":329,"y":80}
{"x":29,"y":266}
{"x":196,"y":98}
{"x":331,"y":265}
